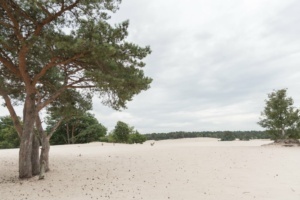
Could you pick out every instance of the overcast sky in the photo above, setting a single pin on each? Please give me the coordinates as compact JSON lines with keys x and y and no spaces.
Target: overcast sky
{"x":213,"y":62}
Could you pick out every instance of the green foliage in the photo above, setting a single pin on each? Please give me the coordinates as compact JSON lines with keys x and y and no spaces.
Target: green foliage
{"x":242,"y":135}
{"x":91,"y":133}
{"x":136,"y":138}
{"x":78,"y":129}
{"x":228,"y":136}
{"x":8,"y":135}
{"x":104,"y":139}
{"x":69,"y":104}
{"x":93,"y":55}
{"x":279,"y":117}
{"x":121,"y":132}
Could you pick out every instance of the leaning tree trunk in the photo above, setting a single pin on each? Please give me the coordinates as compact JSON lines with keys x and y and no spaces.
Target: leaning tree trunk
{"x":45,"y":140}
{"x":25,"y":153}
{"x":44,"y":159}
{"x":68,"y":134}
{"x":73,"y":138}
{"x":35,"y":155}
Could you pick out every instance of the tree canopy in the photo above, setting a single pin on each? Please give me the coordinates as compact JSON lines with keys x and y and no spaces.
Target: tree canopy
{"x":36,"y":50}
{"x":279,"y":117}
{"x":121,"y":132}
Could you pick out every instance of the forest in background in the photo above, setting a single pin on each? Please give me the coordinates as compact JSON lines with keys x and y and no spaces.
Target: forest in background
{"x":223,"y":135}
{"x":86,"y":128}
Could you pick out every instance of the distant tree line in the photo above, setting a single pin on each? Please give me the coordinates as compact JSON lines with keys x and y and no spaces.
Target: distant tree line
{"x":223,"y":135}
{"x":279,"y":117}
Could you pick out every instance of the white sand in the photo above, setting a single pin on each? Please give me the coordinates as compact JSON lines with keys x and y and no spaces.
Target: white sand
{"x":186,"y":169}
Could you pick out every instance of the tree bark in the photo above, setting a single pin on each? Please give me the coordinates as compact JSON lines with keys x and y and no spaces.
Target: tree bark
{"x":73,"y":138}
{"x":44,"y":159}
{"x":25,"y":153}
{"x":35,"y":155}
{"x":68,"y":134}
{"x":45,"y":140}
{"x":25,"y":165}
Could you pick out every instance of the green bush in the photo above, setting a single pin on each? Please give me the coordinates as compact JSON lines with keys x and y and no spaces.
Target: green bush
{"x":136,"y":138}
{"x":104,"y":139}
{"x":227,"y":136}
{"x":109,"y":138}
{"x":91,"y":134}
{"x":121,"y":132}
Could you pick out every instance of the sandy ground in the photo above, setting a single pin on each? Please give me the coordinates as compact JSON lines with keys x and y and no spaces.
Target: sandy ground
{"x":185,"y":169}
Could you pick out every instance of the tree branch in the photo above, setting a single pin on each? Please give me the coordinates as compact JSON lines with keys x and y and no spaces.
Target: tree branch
{"x":54,"y":128}
{"x":52,"y":17}
{"x":9,"y":65}
{"x":82,"y":86}
{"x":46,"y":102}
{"x":16,"y":26}
{"x":44,"y":9}
{"x":9,"y":47}
{"x":51,"y":64}
{"x":21,"y":12}
{"x":38,"y":124}
{"x":23,"y":65}
{"x":44,"y":70}
{"x":6,"y":24}
{"x":12,"y":113}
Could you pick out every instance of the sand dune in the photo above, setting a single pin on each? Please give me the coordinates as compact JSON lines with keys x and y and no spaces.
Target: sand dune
{"x":184,"y":169}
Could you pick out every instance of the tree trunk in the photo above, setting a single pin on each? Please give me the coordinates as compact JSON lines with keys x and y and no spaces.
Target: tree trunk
{"x":44,"y":159}
{"x":68,"y":134}
{"x":25,"y":153}
{"x":73,"y":138}
{"x":25,"y":165}
{"x":35,"y":155}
